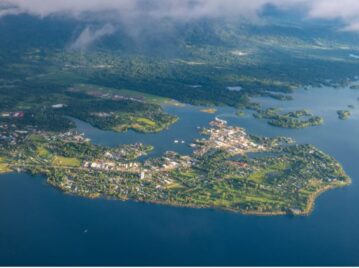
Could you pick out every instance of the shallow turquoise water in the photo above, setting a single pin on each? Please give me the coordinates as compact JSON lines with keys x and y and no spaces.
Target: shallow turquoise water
{"x":42,"y":226}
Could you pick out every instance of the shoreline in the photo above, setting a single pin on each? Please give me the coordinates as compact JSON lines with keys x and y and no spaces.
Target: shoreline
{"x":306,"y":212}
{"x":310,"y":204}
{"x":311,"y":201}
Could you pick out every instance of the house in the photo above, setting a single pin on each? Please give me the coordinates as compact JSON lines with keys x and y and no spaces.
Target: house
{"x":18,"y":114}
{"x":58,"y":106}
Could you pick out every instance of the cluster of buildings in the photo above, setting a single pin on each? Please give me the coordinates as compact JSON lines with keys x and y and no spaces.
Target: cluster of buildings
{"x":69,"y":136}
{"x":102,"y":114}
{"x":125,"y":152}
{"x":11,"y":135}
{"x":121,"y":97}
{"x":169,"y":161}
{"x":19,"y":114}
{"x":161,"y":165}
{"x":58,"y":106}
{"x":100,"y":165}
{"x":234,"y":140}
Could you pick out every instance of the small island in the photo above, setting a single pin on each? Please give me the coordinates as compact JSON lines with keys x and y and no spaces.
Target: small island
{"x":240,"y":113}
{"x":343,"y":114}
{"x":209,"y":110}
{"x":296,"y":119}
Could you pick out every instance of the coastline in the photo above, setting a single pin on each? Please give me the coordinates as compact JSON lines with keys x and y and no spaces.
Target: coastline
{"x":310,"y":204}
{"x":313,"y":197}
{"x":4,"y":169}
{"x":308,"y":210}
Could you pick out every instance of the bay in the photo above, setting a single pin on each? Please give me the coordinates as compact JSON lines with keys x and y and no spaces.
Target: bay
{"x":42,"y":226}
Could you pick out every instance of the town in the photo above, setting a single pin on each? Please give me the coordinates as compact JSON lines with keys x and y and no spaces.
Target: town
{"x":223,"y":171}
{"x":234,"y":140}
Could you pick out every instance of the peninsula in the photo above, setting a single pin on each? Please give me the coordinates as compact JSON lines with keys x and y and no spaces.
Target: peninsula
{"x":229,"y":169}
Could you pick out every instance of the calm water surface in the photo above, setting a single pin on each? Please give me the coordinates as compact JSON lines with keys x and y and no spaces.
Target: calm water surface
{"x":42,"y":226}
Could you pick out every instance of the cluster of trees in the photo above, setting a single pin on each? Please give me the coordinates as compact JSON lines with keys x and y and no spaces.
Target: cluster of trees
{"x":297,"y":119}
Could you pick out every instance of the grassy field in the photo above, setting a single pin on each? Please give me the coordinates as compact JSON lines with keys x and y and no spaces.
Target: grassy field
{"x":37,"y":139}
{"x":88,"y":88}
{"x":3,"y":166}
{"x":140,"y":124}
{"x":42,"y":152}
{"x":146,"y":121}
{"x":65,"y":161}
{"x":260,"y":175}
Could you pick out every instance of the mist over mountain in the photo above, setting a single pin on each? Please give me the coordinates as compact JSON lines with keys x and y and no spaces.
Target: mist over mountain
{"x":186,"y":10}
{"x":152,"y":33}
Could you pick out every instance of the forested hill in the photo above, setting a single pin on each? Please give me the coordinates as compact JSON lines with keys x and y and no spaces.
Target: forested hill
{"x":192,"y":61}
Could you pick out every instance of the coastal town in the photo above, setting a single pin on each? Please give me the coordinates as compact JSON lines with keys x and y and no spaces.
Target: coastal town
{"x":223,"y":171}
{"x":234,"y":140}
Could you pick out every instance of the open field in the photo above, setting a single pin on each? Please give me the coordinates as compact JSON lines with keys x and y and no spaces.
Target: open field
{"x":100,"y":90}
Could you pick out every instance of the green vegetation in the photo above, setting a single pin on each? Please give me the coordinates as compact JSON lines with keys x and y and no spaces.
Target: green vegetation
{"x":240,"y":113}
{"x":120,"y":84}
{"x":41,"y":151}
{"x":297,"y":119}
{"x":196,"y":65}
{"x":278,"y":178}
{"x":4,"y":168}
{"x":117,"y":114}
{"x":65,"y":161}
{"x":260,"y":175}
{"x":209,"y":110}
{"x":50,"y":111}
{"x":343,"y":114}
{"x":113,"y":93}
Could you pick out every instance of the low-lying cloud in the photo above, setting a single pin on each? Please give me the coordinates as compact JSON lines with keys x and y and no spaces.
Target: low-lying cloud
{"x":345,"y":10}
{"x":89,"y":36}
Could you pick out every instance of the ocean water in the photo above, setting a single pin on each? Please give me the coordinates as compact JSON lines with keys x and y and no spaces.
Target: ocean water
{"x":40,"y":225}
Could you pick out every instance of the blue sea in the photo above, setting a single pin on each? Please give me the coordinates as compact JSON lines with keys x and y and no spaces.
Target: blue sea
{"x":40,"y":225}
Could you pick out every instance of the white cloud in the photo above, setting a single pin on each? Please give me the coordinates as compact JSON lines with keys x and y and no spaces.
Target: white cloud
{"x":346,"y":10}
{"x":89,"y":36}
{"x":156,"y":8}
